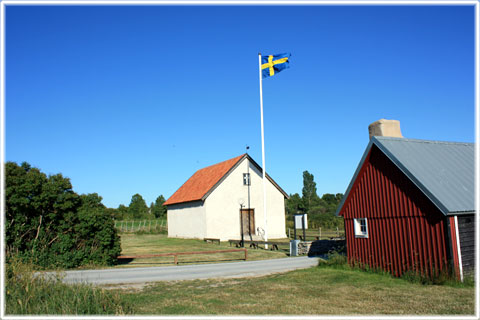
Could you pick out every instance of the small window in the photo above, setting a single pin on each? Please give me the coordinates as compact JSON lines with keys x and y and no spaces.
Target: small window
{"x":361,"y":227}
{"x":246,"y":179}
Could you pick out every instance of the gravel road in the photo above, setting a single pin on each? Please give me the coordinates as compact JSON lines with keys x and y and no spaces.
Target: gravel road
{"x":189,"y":272}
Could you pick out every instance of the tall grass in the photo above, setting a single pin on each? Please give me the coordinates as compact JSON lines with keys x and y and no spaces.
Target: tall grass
{"x":26,"y":293}
{"x":438,"y":277}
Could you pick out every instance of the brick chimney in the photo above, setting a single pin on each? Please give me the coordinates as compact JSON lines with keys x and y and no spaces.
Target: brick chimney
{"x":386,"y":128}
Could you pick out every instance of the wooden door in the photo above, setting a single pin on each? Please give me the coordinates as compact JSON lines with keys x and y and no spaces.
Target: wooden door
{"x":248,"y":221}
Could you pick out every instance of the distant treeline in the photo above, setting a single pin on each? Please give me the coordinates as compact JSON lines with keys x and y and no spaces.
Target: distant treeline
{"x":320,"y":210}
{"x":138,"y":209}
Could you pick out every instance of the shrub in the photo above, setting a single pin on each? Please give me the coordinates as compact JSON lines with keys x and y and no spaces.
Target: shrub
{"x":335,"y":259}
{"x":49,"y":225}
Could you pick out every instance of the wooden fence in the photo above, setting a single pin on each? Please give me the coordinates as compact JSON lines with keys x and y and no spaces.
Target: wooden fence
{"x":317,"y":234}
{"x":157,"y":225}
{"x":176,"y":254}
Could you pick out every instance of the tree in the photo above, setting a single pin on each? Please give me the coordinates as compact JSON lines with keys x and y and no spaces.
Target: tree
{"x":43,"y":223}
{"x":309,"y":191}
{"x":39,"y":211}
{"x":339,"y":197}
{"x":157,"y":208}
{"x":294,"y":204}
{"x":138,"y":207}
{"x":96,"y":231}
{"x":122,"y":212}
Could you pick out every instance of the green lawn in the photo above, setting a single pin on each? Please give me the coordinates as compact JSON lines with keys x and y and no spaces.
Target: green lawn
{"x":316,"y":291}
{"x":140,"y":244}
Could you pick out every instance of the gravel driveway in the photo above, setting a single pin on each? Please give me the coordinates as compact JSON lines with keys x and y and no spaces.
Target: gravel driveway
{"x":189,"y":272}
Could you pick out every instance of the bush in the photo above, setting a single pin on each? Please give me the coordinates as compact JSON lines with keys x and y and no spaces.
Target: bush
{"x":335,"y":259}
{"x":26,"y":293}
{"x":49,"y":225}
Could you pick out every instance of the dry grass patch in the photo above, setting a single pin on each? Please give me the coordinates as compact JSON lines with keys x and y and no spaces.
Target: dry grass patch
{"x":314,"y":291}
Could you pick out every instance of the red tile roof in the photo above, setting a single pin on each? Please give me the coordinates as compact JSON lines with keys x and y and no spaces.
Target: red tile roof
{"x":202,"y":182}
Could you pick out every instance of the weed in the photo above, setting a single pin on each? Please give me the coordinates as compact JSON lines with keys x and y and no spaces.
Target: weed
{"x":27,"y":292}
{"x":439,"y":276}
{"x":335,"y":259}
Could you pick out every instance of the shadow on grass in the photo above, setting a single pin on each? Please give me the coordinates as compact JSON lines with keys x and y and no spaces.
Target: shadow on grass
{"x":124,"y":261}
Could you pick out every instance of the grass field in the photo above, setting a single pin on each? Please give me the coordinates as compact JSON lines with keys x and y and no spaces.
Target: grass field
{"x":138,"y":244}
{"x":315,"y":291}
{"x":323,"y":290}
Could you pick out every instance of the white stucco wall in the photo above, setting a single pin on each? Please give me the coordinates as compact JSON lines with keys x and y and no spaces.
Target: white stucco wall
{"x":186,"y":220}
{"x":223,"y":209}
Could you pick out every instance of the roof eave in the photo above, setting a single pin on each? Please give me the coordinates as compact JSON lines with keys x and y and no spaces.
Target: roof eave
{"x":183,"y":202}
{"x":443,"y":209}
{"x":460,"y":213}
{"x":412,"y":177}
{"x":268,"y":177}
{"x":357,"y":171}
{"x":245,"y":156}
{"x":205,"y":196}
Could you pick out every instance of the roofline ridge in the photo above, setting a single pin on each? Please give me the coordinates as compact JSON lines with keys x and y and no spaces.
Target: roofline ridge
{"x":423,"y":140}
{"x":242,"y":155}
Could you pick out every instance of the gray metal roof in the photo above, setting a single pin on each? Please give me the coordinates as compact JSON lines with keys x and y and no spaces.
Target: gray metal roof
{"x":443,"y":171}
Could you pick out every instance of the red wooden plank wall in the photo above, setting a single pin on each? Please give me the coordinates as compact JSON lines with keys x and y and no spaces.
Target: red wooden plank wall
{"x":453,"y":237}
{"x":405,"y":230}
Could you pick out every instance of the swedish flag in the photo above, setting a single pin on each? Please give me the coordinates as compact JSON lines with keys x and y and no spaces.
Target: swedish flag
{"x":275,"y":63}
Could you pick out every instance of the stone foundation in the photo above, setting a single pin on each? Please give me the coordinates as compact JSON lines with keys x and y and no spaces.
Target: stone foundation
{"x":319,"y":247}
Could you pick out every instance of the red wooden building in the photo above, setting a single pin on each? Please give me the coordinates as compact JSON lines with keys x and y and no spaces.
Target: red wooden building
{"x":410,"y":206}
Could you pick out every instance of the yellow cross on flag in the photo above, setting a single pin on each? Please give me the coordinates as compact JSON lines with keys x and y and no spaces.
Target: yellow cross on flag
{"x":275,"y":63}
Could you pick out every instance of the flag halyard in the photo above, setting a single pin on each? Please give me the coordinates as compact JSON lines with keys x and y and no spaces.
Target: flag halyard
{"x":272,"y":64}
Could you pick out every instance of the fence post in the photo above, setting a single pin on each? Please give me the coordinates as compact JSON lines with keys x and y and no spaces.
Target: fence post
{"x":288,"y":233}
{"x":319,"y":232}
{"x":338,"y":234}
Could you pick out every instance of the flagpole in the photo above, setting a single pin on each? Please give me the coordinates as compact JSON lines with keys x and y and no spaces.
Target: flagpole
{"x":263,"y":151}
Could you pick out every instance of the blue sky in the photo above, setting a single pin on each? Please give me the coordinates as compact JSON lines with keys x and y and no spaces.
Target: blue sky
{"x":135,"y":99}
